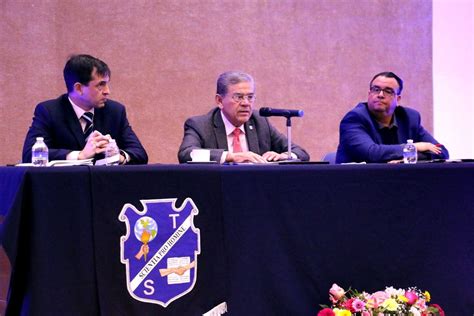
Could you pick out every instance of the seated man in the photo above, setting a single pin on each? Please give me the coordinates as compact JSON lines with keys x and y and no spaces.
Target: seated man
{"x":376,"y":131}
{"x":79,"y":124}
{"x":233,"y":131}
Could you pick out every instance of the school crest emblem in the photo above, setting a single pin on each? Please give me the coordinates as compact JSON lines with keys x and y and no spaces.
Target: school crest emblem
{"x":160,"y":250}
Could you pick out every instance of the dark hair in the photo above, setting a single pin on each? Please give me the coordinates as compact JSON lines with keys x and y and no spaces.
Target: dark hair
{"x":231,"y":77}
{"x":79,"y":68}
{"x":389,"y":74}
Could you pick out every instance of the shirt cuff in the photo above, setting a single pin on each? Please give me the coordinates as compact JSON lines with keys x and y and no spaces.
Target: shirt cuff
{"x":73,"y":155}
{"x":224,"y":155}
{"x":127,"y":156}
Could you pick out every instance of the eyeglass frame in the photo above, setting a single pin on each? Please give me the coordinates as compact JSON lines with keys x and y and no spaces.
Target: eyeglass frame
{"x":388,"y":92}
{"x":240,"y":97}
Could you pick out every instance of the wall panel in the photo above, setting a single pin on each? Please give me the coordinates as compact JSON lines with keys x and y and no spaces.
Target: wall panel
{"x":165,"y":57}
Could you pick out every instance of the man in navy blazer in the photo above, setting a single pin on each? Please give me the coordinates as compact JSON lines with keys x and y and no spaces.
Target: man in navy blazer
{"x":256,"y":141}
{"x":376,"y":131}
{"x":80,"y":124}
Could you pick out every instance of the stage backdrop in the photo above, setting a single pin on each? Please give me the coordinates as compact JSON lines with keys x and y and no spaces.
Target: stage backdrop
{"x":165,"y":57}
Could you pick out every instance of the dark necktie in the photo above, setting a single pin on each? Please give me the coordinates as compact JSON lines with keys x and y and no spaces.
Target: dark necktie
{"x":236,"y":147}
{"x":89,"y":118}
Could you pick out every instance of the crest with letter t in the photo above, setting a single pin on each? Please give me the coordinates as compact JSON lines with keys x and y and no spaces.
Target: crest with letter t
{"x":160,"y":250}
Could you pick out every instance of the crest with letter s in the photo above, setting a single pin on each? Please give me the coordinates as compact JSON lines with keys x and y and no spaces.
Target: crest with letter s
{"x":160,"y":250}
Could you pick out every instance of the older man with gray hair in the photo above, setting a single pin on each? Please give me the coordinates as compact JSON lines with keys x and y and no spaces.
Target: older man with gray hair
{"x":233,"y":131}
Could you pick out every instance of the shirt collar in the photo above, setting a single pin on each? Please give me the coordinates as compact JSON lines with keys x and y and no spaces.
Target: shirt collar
{"x":393,"y":123}
{"x":229,"y":127}
{"x":79,"y":112}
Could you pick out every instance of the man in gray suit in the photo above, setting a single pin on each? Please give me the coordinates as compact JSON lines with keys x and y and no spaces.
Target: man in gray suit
{"x":233,"y":131}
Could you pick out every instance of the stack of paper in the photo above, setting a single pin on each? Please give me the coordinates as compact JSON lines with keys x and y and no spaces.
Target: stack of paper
{"x":62,"y":163}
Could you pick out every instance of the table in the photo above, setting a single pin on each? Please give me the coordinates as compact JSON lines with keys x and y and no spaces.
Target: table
{"x":62,"y":236}
{"x":273,"y":238}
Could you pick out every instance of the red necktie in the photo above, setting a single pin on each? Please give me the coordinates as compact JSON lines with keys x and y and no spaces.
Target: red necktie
{"x":236,"y":141}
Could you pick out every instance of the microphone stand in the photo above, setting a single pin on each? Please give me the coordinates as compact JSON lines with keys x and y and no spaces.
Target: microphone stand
{"x":288,"y":134}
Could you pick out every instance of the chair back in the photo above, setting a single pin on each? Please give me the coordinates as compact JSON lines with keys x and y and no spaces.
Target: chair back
{"x":331,"y":157}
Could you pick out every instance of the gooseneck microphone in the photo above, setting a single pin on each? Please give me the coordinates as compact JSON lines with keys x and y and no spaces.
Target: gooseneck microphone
{"x":281,"y":112}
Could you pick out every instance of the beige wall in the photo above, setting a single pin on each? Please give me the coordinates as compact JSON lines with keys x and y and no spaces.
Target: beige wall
{"x":165,"y":57}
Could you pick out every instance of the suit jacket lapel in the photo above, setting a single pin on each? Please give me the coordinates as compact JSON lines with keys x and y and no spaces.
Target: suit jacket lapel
{"x":252,"y":137}
{"x":374,"y":125}
{"x":403,"y":131}
{"x":99,"y":120}
{"x":72,"y":122}
{"x":219,"y":131}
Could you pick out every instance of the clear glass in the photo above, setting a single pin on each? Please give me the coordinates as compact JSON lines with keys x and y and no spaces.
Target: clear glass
{"x":112,"y":154}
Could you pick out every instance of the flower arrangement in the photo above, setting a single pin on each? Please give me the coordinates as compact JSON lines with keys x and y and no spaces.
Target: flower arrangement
{"x":400,"y":302}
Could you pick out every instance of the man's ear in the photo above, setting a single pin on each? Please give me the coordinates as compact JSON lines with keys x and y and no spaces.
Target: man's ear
{"x":78,"y":88}
{"x":219,"y":100}
{"x":399,"y":97}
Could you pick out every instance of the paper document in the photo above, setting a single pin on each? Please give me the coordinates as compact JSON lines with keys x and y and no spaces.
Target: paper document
{"x":61,"y":163}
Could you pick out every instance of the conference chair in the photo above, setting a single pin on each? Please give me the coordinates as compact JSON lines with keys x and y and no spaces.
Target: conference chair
{"x":331,"y":157}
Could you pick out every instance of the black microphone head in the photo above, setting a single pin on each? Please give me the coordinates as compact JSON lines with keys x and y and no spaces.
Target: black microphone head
{"x":265,"y":111}
{"x":300,"y":113}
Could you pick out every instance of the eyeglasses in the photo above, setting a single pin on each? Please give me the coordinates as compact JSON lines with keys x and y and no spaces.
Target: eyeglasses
{"x":389,"y":92}
{"x":238,"y":97}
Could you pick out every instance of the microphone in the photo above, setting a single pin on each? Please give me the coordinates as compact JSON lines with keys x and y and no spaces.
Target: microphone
{"x":281,"y":112}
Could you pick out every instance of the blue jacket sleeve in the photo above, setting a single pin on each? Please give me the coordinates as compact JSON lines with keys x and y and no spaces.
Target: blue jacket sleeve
{"x":357,"y":142}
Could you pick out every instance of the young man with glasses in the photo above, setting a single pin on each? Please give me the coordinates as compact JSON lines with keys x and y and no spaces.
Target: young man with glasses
{"x":376,"y":130}
{"x":233,"y":131}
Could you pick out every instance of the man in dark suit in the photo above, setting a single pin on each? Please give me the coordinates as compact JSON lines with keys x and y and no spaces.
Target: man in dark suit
{"x":80,"y":124}
{"x":233,"y":131}
{"x":376,"y":131}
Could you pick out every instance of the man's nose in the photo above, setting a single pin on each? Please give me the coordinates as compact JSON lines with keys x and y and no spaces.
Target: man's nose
{"x":245,"y":101}
{"x":106,"y":89}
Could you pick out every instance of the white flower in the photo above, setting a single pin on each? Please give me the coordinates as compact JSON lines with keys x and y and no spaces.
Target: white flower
{"x":393,"y":292}
{"x":414,"y":311}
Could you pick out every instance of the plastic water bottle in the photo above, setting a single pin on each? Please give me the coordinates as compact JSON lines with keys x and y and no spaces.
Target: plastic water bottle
{"x":39,"y":153}
{"x":112,"y":153}
{"x":409,"y":152}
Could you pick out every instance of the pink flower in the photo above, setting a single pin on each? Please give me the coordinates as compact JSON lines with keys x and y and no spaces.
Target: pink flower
{"x":349,"y":305}
{"x":358,"y":305}
{"x":335,"y":293}
{"x":421,"y":304}
{"x":412,"y":297}
{"x":326,"y":312}
{"x":366,"y":313}
{"x":379,"y":297}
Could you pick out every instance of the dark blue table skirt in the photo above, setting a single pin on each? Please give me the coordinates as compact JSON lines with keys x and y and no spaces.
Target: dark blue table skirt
{"x":273,"y":238}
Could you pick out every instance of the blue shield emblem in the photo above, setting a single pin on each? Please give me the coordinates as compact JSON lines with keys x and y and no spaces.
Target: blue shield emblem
{"x":160,"y":250}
